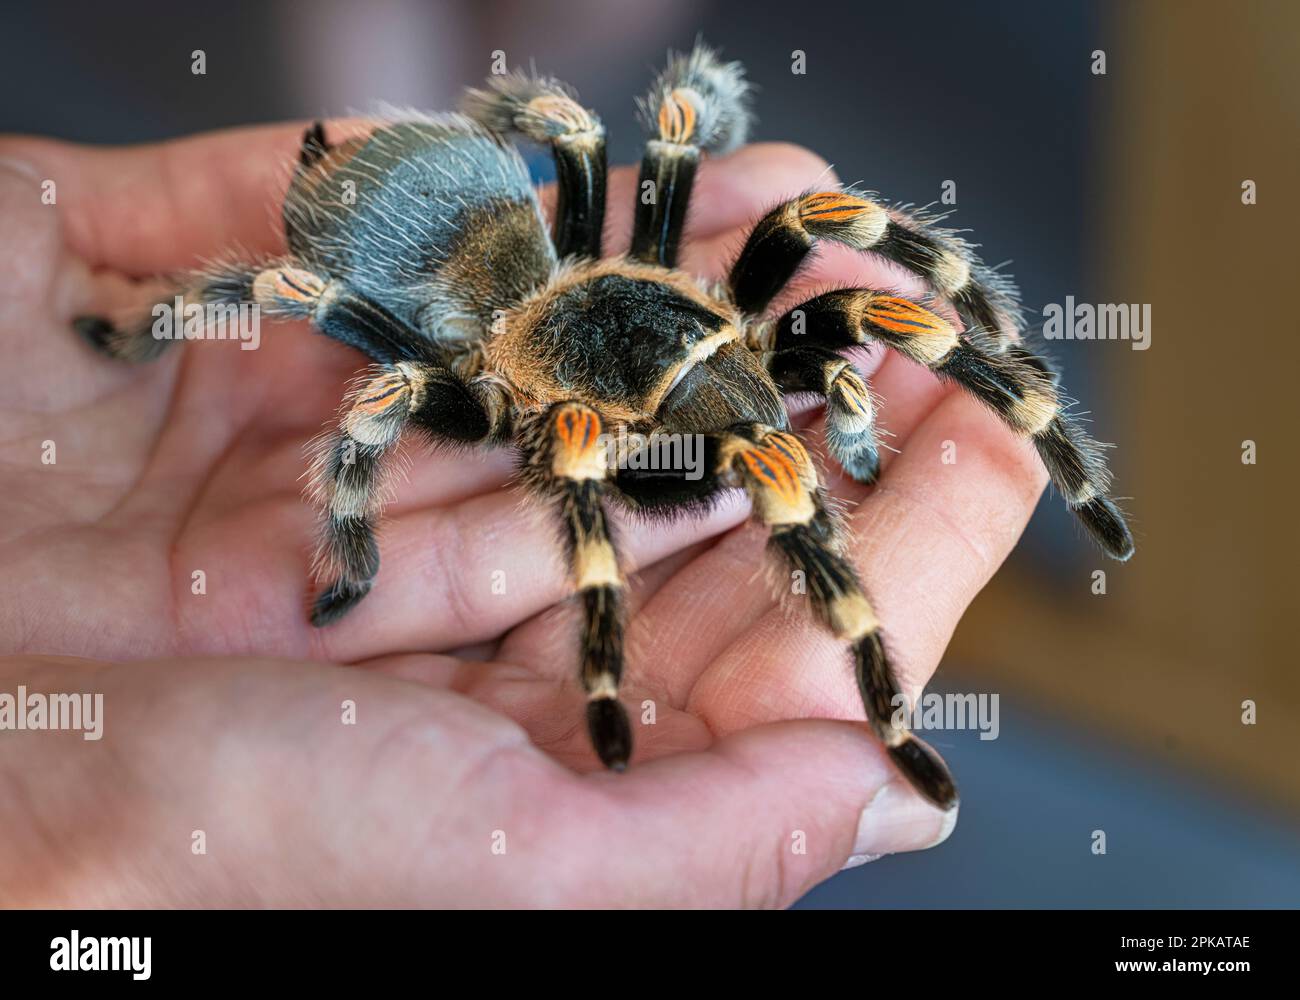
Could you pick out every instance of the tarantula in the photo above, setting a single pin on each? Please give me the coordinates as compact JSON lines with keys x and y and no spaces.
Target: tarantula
{"x":422,"y":244}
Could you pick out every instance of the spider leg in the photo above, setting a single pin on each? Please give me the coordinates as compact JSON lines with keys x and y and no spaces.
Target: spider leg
{"x":546,"y":111}
{"x":1023,"y":394}
{"x":281,"y":290}
{"x":986,"y":301}
{"x":347,"y":472}
{"x":314,"y":147}
{"x":699,"y":104}
{"x":775,"y":470}
{"x":850,"y":413}
{"x":213,"y":292}
{"x":565,"y":459}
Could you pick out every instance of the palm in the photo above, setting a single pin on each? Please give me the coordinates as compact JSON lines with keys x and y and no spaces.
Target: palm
{"x":189,"y":469}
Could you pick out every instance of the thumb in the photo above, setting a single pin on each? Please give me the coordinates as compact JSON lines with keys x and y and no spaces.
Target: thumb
{"x":761,"y":817}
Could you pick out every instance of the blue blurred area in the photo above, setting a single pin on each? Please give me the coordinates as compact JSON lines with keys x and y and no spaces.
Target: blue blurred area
{"x":1031,"y":800}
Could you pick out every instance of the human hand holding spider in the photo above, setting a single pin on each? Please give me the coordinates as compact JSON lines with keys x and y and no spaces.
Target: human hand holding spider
{"x":436,"y":795}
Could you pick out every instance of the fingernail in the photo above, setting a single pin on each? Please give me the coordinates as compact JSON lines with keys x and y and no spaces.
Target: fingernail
{"x":897,"y":819}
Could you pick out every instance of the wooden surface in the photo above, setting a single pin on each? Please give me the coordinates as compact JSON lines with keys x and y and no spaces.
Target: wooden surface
{"x":1198,"y":97}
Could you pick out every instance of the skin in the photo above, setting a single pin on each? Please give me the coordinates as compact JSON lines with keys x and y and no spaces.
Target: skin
{"x":222,"y":710}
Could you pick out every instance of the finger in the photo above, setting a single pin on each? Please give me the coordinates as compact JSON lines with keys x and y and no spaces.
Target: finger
{"x":449,"y":576}
{"x":928,"y":539}
{"x":143,"y":210}
{"x":555,"y":644}
{"x":754,"y":822}
{"x":722,"y":596}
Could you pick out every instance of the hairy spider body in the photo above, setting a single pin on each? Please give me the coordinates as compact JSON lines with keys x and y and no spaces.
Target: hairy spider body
{"x":422,"y":244}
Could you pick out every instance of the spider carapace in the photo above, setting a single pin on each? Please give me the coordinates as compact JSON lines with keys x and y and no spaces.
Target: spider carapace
{"x":420,"y":241}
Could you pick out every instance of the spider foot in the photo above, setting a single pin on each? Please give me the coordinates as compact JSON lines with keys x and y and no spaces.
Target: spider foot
{"x":1106,"y":524}
{"x":611,"y":734}
{"x":926,"y":771}
{"x":337,"y":601}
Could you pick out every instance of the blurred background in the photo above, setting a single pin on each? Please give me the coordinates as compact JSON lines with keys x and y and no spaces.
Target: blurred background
{"x":1121,"y":711}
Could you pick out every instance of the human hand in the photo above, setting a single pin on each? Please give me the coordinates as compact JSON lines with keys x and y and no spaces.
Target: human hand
{"x":192,"y":465}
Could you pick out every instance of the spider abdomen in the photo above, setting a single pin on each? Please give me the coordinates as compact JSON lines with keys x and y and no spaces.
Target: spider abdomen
{"x":434,"y":219}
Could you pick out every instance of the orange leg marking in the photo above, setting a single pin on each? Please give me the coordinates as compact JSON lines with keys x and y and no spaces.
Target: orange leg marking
{"x":563,"y":111}
{"x":677,"y":117}
{"x":775,"y":469}
{"x":579,"y":455}
{"x":833,"y":206}
{"x":905,"y":317}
